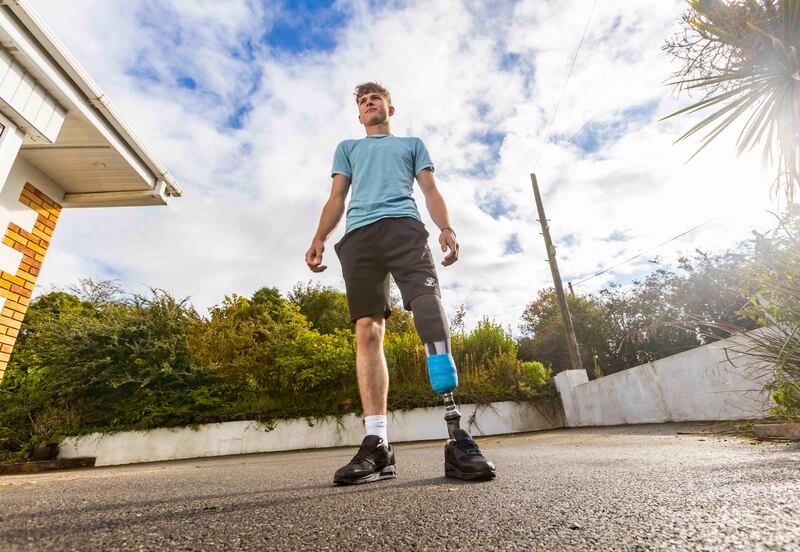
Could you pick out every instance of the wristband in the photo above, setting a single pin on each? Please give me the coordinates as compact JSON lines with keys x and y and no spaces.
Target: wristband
{"x":447,"y":228}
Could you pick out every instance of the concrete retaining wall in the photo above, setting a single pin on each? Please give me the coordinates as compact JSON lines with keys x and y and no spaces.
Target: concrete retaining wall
{"x":714,"y":382}
{"x":251,"y":437}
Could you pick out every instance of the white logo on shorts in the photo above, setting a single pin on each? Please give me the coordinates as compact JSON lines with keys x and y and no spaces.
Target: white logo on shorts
{"x":430,"y":282}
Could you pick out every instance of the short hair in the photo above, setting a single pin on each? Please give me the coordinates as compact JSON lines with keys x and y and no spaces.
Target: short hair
{"x":367,"y":87}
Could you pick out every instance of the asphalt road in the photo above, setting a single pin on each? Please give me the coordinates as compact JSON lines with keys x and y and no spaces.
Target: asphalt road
{"x":633,"y":488}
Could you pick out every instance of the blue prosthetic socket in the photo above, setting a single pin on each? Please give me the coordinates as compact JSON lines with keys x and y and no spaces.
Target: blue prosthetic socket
{"x":444,"y":379}
{"x":442,"y":373}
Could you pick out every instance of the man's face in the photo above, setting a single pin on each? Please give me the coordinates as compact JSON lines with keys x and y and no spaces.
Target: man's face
{"x":373,"y":109}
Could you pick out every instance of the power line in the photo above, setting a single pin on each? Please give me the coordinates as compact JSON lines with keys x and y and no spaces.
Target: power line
{"x":582,"y":127}
{"x":692,"y":229}
{"x":578,"y":131}
{"x":597,"y":113}
{"x":604,"y":107}
{"x":563,"y":88}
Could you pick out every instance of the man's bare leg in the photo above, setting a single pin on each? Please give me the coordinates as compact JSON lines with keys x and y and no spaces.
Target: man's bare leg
{"x":373,"y":375}
{"x":375,"y":457}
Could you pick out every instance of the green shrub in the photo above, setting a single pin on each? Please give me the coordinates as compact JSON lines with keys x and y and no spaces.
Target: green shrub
{"x":99,"y":361}
{"x":405,"y":359}
{"x":113,"y":365}
{"x":312,"y":360}
{"x":787,"y":399}
{"x":474,"y":350}
{"x":242,"y":338}
{"x":324,"y":307}
{"x":535,"y":373}
{"x":776,"y":304}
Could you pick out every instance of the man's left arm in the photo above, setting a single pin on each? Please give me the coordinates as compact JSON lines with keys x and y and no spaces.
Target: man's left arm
{"x":438,"y":211}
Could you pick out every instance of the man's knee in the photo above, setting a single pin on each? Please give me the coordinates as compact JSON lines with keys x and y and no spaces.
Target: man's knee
{"x":429,"y":318}
{"x":369,"y":330}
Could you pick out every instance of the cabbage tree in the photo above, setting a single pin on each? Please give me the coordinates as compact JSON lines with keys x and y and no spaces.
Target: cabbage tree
{"x":744,"y":57}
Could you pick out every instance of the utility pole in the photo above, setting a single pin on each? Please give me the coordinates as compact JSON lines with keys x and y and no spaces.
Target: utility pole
{"x":569,"y":331}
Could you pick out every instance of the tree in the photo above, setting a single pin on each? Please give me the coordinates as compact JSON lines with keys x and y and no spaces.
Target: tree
{"x":324,"y":307}
{"x":713,"y":293}
{"x":242,"y":338}
{"x":645,"y":324}
{"x":543,"y":333}
{"x":674,"y":310}
{"x":743,"y":55}
{"x":97,"y":292}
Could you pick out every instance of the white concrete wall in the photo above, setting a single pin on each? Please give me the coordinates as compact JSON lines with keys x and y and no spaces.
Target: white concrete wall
{"x":250,"y":437}
{"x":713,"y":382}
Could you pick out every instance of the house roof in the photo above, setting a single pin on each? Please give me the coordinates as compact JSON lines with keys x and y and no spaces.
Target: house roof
{"x":72,"y":132}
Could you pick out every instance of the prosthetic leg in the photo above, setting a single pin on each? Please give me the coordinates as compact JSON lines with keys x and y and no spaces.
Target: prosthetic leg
{"x":434,"y":331}
{"x":462,"y":457}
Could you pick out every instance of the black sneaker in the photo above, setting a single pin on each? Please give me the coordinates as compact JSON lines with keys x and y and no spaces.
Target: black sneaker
{"x":463,"y":459}
{"x":373,"y":461}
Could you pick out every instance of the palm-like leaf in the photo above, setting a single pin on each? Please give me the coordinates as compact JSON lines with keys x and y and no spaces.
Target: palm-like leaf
{"x":745,"y":56}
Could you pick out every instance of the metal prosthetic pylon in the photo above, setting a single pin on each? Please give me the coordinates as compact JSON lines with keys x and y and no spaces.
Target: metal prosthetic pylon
{"x":451,"y":415}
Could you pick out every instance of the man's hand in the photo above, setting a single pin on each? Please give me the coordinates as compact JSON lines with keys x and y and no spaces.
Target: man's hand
{"x":447,"y":239}
{"x":314,"y":256}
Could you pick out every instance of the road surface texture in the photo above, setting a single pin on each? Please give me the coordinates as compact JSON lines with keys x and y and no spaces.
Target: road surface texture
{"x":621,"y":488}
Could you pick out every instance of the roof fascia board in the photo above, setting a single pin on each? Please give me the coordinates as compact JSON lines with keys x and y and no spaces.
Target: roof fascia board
{"x":157,"y":196}
{"x":92,"y":94}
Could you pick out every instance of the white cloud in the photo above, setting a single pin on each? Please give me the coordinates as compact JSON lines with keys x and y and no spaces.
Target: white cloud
{"x":457,"y":72}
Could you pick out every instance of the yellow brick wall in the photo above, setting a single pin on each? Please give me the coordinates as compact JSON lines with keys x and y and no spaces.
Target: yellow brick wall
{"x":17,"y":288}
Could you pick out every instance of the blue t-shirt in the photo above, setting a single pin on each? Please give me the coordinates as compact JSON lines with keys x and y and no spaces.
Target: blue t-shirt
{"x":381,"y":169}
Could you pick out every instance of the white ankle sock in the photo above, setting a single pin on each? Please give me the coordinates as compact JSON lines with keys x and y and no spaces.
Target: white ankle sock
{"x":376,"y":425}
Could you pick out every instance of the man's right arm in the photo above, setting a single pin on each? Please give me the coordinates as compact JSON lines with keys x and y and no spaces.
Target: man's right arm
{"x":331,"y":215}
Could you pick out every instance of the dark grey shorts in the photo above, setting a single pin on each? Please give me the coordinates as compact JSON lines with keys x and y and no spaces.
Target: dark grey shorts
{"x":396,"y":246}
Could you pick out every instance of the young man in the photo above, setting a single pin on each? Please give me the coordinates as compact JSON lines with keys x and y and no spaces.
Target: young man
{"x":384,"y":235}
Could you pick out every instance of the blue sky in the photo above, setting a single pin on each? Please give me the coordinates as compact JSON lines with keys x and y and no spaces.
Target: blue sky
{"x":244,"y":101}
{"x":303,"y":26}
{"x":594,"y":136}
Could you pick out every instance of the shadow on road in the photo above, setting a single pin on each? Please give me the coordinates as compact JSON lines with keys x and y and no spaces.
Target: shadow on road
{"x":195,"y":507}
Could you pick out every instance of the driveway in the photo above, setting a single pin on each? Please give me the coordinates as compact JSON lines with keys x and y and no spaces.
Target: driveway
{"x":623,"y":488}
